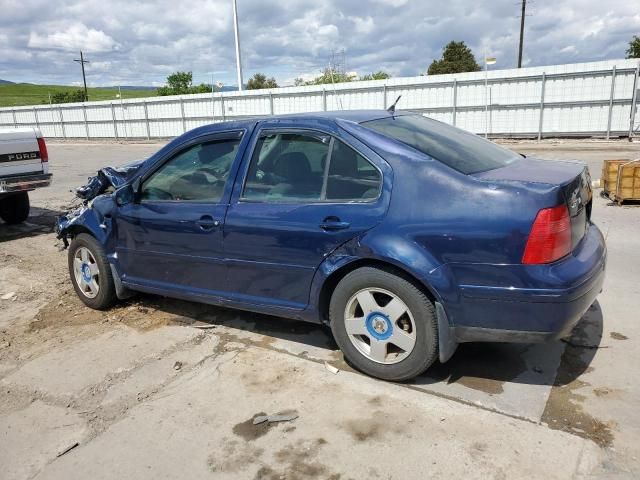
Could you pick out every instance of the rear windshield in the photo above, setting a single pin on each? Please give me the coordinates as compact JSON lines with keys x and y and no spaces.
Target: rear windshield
{"x":461,"y":150}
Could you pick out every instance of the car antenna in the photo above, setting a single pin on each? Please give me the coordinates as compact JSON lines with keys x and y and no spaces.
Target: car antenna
{"x":392,"y":108}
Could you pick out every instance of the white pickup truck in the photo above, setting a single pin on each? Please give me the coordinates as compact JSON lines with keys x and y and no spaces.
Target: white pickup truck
{"x":24,"y":166}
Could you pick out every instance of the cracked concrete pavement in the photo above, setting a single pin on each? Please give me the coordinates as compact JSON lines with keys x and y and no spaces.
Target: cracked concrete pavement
{"x":159,"y":388}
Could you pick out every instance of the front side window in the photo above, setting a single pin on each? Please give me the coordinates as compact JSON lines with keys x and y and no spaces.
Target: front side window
{"x":303,"y":167}
{"x":461,"y":150}
{"x":198,"y":173}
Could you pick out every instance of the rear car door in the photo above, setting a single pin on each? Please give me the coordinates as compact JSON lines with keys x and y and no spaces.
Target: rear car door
{"x":171,"y":236}
{"x":300,"y":194}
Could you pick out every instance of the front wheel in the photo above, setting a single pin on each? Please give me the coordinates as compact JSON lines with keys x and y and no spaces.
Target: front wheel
{"x":90,"y":272}
{"x":384,"y":325}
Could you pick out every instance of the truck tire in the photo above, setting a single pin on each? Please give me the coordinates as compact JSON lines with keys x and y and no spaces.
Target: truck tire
{"x":15,"y":208}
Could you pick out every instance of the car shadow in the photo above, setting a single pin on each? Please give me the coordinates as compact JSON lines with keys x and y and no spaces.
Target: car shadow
{"x":485,"y":366}
{"x":481,"y":366}
{"x":189,"y":313}
{"x":40,"y":222}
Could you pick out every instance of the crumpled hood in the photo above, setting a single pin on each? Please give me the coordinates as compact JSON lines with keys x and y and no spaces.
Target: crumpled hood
{"x":97,"y":202}
{"x":108,"y":177}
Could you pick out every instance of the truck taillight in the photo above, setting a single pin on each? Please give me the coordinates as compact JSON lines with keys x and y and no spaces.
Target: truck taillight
{"x":42,"y":146}
{"x":550,"y":237}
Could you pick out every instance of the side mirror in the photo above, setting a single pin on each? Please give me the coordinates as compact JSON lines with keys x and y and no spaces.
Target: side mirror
{"x":124,"y":195}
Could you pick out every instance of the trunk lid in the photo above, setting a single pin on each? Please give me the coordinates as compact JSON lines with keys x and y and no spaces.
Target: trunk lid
{"x":572,"y":179}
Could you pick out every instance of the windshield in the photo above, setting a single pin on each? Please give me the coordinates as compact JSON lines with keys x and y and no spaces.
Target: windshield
{"x":461,"y":150}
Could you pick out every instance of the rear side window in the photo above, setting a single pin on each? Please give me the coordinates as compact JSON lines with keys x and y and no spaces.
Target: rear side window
{"x":294,"y":167}
{"x":351,"y":176}
{"x":460,"y":150}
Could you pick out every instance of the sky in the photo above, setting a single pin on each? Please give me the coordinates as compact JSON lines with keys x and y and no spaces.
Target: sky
{"x":137,"y":42}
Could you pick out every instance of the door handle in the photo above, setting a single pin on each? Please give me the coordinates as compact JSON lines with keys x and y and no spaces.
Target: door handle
{"x":333,"y":223}
{"x":207,"y":223}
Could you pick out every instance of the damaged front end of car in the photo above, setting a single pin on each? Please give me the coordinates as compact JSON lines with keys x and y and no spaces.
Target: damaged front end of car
{"x":99,"y":196}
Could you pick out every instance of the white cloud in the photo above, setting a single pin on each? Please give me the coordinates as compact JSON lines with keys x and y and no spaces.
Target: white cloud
{"x":393,"y":3}
{"x":141,"y":42}
{"x":73,"y":37}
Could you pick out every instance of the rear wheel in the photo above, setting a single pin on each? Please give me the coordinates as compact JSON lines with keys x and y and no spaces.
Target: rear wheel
{"x":15,"y":208}
{"x":90,"y":272}
{"x":384,"y":325}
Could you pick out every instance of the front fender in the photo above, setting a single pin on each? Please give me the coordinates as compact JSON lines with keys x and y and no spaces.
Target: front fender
{"x":94,"y":218}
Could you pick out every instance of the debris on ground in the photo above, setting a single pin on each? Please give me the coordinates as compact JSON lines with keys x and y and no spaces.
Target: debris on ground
{"x":275,"y":418}
{"x":618,"y":336}
{"x":68,"y":449}
{"x":331,"y":368}
{"x":203,"y":326}
{"x":177,"y":365}
{"x":8,"y":296}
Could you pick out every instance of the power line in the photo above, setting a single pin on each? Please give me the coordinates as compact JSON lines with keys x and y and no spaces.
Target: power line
{"x":524,"y":7}
{"x":82,"y":61}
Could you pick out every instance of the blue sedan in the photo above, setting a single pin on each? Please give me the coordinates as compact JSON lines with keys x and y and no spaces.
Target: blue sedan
{"x":405,"y":235}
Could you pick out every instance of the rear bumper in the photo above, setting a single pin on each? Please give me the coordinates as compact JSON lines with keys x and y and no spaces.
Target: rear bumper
{"x":24,"y":183}
{"x":530,"y":314}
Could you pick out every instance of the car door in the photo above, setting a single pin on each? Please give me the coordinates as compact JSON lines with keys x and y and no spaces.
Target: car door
{"x":171,"y":236}
{"x":300,"y":194}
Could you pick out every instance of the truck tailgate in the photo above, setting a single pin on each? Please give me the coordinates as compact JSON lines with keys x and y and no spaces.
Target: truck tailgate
{"x":19,"y":152}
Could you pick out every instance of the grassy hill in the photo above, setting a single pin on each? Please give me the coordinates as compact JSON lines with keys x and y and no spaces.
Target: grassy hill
{"x":18,"y":94}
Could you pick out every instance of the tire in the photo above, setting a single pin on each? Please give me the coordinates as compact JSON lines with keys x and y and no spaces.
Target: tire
{"x":92,"y":281}
{"x":15,"y":208}
{"x":372,"y":344}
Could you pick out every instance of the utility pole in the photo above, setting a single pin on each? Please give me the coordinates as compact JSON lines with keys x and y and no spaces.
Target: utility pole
{"x":524,"y":7}
{"x":237,"y":33}
{"x":82,"y":61}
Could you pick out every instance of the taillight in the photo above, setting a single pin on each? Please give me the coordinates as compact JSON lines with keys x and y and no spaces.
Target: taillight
{"x":550,"y":237}
{"x":42,"y":146}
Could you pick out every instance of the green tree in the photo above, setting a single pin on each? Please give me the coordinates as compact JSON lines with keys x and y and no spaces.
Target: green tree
{"x":259,"y":80}
{"x":379,"y":75}
{"x":181,"y":83}
{"x":456,"y":58}
{"x":330,"y":76}
{"x":634,"y":47}
{"x":68,"y":97}
{"x":298,"y":82}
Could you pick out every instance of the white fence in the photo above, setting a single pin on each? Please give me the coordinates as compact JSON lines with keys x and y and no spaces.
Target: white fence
{"x":589,"y":99}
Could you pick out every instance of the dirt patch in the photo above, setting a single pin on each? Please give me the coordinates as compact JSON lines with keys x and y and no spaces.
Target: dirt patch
{"x":298,"y":461}
{"x":249,"y":431}
{"x":618,"y":336}
{"x":564,"y":409}
{"x":371,"y":428}
{"x":234,"y":457}
{"x":601,"y":391}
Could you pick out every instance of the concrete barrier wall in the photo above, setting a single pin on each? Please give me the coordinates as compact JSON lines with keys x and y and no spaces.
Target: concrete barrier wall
{"x":586,"y":99}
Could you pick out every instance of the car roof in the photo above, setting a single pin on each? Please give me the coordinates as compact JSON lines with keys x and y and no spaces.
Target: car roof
{"x":356,"y":116}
